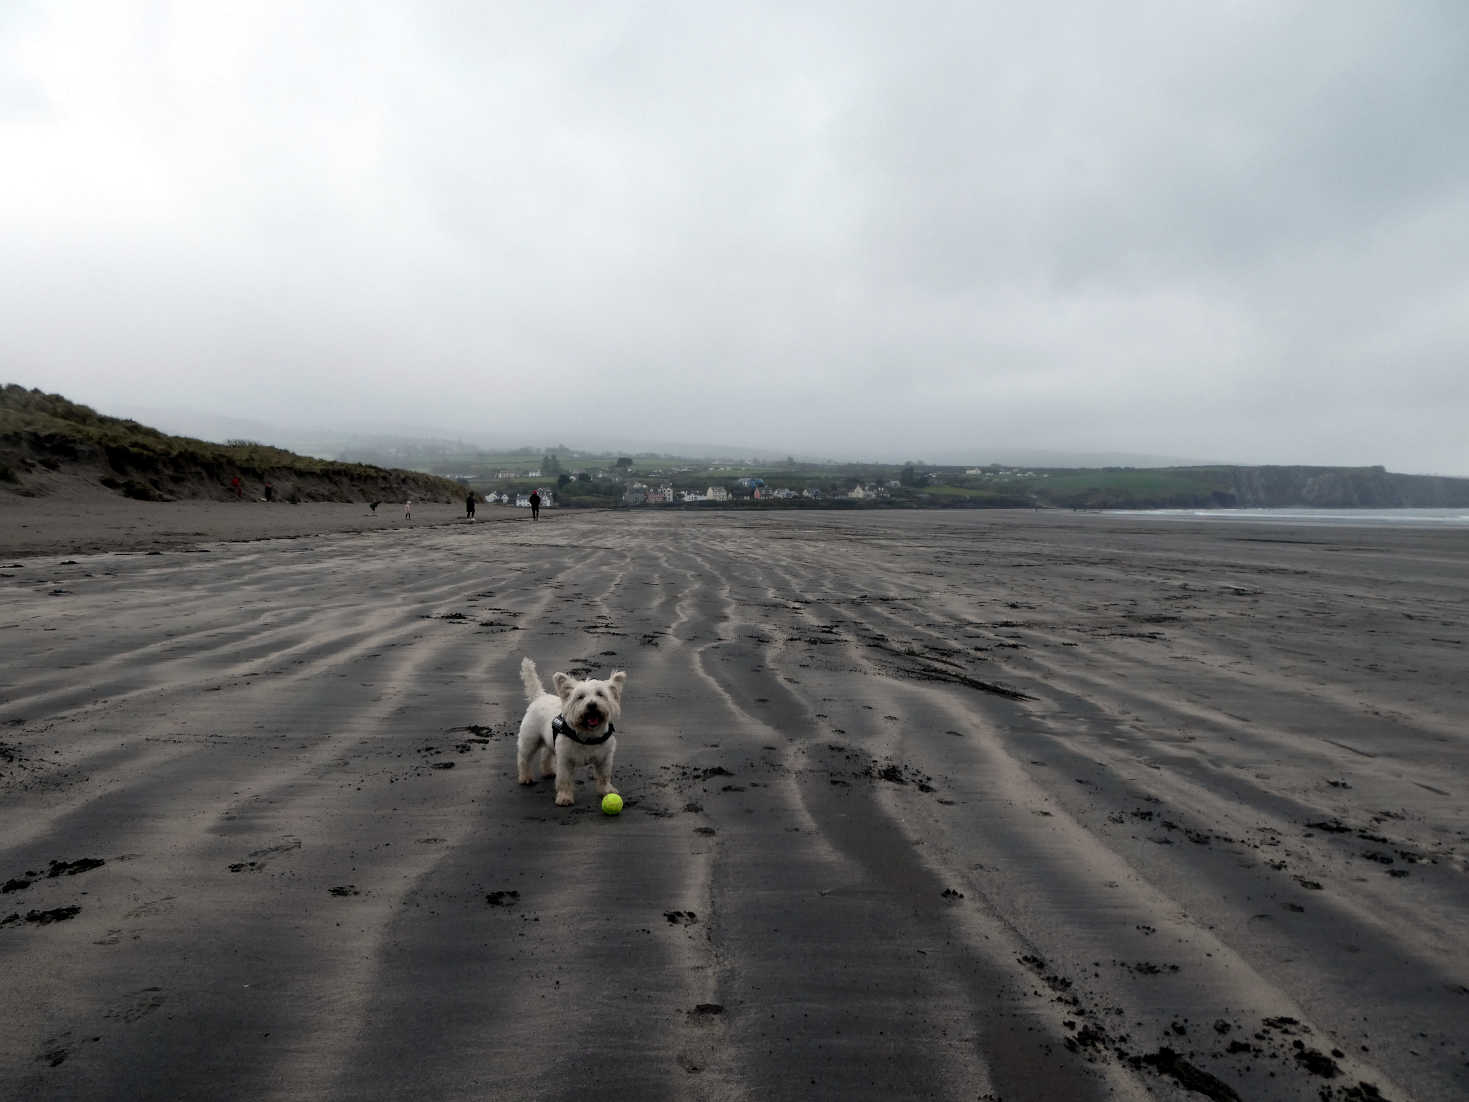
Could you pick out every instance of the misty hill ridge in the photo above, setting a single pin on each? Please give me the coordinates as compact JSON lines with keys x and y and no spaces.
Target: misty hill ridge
{"x":49,"y":444}
{"x":1230,"y":487}
{"x":1344,"y":488}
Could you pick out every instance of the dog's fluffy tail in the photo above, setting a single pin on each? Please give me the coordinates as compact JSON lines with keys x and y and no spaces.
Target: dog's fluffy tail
{"x":534,"y":689}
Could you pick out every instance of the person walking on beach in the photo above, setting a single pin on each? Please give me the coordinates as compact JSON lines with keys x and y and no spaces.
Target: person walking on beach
{"x":408,"y":509}
{"x":237,"y":487}
{"x":535,"y":505}
{"x":469,"y":505}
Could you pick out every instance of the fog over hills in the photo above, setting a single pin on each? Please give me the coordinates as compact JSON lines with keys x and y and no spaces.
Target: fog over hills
{"x":328,"y":442}
{"x":50,"y":444}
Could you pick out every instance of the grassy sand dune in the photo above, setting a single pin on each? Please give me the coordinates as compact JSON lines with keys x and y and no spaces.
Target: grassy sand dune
{"x":52,"y":447}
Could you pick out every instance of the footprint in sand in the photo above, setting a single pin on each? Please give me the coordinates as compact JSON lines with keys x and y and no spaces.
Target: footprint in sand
{"x":137,"y":1005}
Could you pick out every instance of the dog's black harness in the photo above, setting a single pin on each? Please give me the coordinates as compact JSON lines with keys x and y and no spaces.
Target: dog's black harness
{"x":559,"y":726}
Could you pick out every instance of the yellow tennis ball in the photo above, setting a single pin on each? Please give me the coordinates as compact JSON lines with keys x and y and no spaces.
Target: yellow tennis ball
{"x":611,"y":804}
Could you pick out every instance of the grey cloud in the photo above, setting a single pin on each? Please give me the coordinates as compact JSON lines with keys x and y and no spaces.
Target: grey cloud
{"x":1228,"y":232}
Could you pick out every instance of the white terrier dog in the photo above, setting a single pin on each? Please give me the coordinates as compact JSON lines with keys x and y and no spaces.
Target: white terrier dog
{"x":568,"y":729}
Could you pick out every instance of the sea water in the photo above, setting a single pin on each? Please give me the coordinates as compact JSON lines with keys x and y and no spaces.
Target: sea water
{"x":1397,"y":518}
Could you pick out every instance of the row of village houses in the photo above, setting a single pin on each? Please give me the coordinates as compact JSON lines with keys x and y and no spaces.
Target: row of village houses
{"x":641,"y":494}
{"x":521,"y":500}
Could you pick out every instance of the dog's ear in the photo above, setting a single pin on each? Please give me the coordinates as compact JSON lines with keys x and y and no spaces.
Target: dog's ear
{"x":565,"y":686}
{"x":615,"y":683}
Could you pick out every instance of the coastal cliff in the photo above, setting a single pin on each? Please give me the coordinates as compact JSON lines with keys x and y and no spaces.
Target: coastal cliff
{"x":1343,"y":488}
{"x":1234,"y":487}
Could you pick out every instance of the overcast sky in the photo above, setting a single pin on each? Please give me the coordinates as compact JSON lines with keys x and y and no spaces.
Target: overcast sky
{"x":1233,"y":230}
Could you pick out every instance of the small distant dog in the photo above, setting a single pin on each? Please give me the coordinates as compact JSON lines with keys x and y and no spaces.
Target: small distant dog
{"x":568,"y":729}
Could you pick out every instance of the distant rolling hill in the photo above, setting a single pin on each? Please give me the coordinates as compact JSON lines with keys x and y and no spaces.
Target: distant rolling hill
{"x":1251,"y":487}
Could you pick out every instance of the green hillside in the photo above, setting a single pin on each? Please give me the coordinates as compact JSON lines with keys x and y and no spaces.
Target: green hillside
{"x":48,"y":443}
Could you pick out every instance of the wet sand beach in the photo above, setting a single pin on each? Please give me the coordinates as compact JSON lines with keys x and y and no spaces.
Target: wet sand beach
{"x":1000,"y":805}
{"x":75,"y":524}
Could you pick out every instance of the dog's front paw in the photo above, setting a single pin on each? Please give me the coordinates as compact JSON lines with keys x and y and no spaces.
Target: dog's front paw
{"x":527,"y":780}
{"x":565,"y":799}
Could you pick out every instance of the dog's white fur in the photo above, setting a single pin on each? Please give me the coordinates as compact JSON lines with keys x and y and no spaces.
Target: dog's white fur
{"x":588,"y":707}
